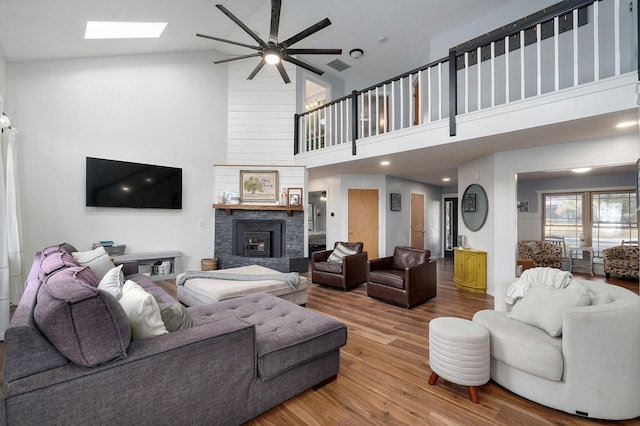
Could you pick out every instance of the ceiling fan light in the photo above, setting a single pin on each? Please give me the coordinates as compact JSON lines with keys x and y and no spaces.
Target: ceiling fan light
{"x":271,"y":58}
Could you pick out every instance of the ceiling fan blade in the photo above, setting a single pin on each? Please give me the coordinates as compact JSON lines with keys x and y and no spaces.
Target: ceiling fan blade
{"x":303,"y":65}
{"x":235,"y":58}
{"x":314,"y":51}
{"x":306,"y":33}
{"x":276,"y":6}
{"x":256,"y":69}
{"x":283,"y":72}
{"x":227,"y":41}
{"x":241,"y":24}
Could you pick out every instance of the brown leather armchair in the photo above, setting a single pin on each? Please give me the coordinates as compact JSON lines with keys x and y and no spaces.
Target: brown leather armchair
{"x":407,"y":278}
{"x":346,"y":275}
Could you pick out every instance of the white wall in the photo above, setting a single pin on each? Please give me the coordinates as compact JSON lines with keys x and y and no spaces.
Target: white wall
{"x":261,"y":110}
{"x":398,"y":223}
{"x":495,"y":18}
{"x":394,"y":226}
{"x":166,"y":109}
{"x":3,"y":76}
{"x":498,"y":176}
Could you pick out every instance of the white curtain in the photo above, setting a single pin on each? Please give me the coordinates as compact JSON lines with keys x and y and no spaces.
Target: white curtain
{"x":16,"y":281}
{"x":10,"y":246}
{"x":5,"y":282}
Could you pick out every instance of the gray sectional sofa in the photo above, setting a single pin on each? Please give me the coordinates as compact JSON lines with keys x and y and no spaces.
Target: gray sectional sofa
{"x":239,"y":359}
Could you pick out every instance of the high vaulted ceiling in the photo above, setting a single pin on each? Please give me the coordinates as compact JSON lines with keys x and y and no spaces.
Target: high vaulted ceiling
{"x":37,"y":29}
{"x":396,"y":36}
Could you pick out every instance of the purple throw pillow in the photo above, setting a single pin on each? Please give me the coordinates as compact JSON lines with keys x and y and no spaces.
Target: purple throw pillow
{"x":55,"y":262}
{"x":86,"y":325}
{"x":78,"y":273}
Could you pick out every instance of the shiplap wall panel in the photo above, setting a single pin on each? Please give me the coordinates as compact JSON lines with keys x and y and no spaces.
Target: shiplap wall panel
{"x":227,"y":177}
{"x":260,"y":115}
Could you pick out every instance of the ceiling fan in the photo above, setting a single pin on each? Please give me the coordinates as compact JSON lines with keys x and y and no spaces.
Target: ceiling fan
{"x":274,"y":52}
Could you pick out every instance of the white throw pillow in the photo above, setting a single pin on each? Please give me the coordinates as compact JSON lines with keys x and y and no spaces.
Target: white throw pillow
{"x":544,"y":307}
{"x":143,"y":312}
{"x":112,"y":282}
{"x":97,"y":259}
{"x":339,"y":252}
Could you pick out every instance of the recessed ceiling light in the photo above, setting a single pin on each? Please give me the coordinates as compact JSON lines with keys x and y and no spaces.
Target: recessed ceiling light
{"x":581,"y":170}
{"x":626,"y":124}
{"x":384,"y":163}
{"x":108,"y":30}
{"x":446,"y":179}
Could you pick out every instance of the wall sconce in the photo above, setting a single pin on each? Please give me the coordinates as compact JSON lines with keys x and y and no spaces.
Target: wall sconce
{"x":356,"y":53}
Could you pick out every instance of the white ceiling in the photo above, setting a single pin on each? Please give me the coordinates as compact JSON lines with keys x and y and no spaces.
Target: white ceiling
{"x":32,"y":30}
{"x":37,"y":29}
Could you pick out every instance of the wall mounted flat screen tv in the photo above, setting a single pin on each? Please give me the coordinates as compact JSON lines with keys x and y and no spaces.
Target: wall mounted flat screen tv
{"x":112,"y":183}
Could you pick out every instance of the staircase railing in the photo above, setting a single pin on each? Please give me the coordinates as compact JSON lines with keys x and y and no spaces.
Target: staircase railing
{"x":571,"y":43}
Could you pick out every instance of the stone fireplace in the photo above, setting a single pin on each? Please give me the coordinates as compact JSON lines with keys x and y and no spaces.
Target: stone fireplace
{"x":257,"y":235}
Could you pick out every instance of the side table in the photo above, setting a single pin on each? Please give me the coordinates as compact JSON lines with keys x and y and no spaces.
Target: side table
{"x":581,"y":262}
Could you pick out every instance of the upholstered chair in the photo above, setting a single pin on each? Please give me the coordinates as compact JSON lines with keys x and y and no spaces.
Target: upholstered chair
{"x":543,"y":253}
{"x":345,"y":273}
{"x":407,"y":278}
{"x":621,"y":260}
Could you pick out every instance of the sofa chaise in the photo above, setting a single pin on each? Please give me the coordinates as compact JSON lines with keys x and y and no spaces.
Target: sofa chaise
{"x":591,"y":369}
{"x":238,"y":359}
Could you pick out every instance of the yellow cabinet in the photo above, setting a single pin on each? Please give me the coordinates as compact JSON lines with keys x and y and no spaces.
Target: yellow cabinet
{"x":470,"y":269}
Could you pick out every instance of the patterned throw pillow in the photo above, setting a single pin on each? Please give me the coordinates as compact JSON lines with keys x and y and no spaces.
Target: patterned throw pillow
{"x":175,"y":316}
{"x":339,"y":252}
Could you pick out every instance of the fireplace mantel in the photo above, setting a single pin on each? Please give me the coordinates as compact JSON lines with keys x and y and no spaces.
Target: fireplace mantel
{"x":229,"y":208}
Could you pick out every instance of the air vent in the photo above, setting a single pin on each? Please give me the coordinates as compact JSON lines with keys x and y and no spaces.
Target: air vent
{"x":338,"y":65}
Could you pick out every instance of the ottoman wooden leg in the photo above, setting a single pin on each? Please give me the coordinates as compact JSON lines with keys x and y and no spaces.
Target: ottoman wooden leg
{"x":433,"y":379}
{"x":473,"y":394}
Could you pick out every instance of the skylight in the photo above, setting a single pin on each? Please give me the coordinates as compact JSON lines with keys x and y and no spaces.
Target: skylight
{"x":108,"y":30}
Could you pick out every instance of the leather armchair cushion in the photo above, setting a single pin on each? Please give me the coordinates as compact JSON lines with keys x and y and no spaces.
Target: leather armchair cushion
{"x":332,"y":267}
{"x":406,"y":257}
{"x":390,"y":277}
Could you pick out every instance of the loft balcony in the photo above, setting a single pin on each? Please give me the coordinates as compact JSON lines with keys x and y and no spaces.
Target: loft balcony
{"x":559,"y":75}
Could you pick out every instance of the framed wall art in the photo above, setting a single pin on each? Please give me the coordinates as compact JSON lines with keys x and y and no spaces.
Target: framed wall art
{"x":295,"y":196}
{"x":396,"y":202}
{"x":469,"y":203}
{"x":258,"y":185}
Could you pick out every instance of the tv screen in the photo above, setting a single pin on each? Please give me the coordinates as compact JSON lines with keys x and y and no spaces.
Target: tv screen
{"x":112,"y":183}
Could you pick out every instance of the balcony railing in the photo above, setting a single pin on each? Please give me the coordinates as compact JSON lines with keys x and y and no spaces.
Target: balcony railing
{"x":572,"y":43}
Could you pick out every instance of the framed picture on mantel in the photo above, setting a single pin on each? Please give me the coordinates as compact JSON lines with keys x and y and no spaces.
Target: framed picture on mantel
{"x":259,"y":185}
{"x":295,"y":196}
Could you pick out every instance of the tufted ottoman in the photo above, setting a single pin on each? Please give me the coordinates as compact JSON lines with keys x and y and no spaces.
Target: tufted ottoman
{"x":292,"y":342}
{"x":459,"y":352}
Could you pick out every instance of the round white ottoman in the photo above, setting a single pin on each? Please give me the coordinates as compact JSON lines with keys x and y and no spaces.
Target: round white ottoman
{"x":459,"y":352}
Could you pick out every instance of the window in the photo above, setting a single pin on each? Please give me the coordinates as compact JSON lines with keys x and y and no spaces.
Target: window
{"x":563,"y":216}
{"x":604,"y":219}
{"x":614,"y":219}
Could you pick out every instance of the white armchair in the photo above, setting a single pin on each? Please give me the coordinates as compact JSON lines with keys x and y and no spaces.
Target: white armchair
{"x":591,"y":370}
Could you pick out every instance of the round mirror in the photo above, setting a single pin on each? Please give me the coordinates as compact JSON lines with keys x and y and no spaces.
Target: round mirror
{"x":474,"y":207}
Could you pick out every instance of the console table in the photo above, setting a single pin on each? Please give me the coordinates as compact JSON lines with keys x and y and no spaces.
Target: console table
{"x":147,"y":260}
{"x":581,"y":262}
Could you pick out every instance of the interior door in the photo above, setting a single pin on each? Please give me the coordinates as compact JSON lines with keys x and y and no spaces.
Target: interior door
{"x":417,"y":221}
{"x":450,"y":225}
{"x":363,"y":219}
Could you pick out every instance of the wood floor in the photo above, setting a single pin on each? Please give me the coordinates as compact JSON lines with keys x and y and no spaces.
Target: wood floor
{"x":385,"y":368}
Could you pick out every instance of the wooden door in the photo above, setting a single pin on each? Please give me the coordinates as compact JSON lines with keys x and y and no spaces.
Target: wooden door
{"x":363,"y":219}
{"x":417,"y":221}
